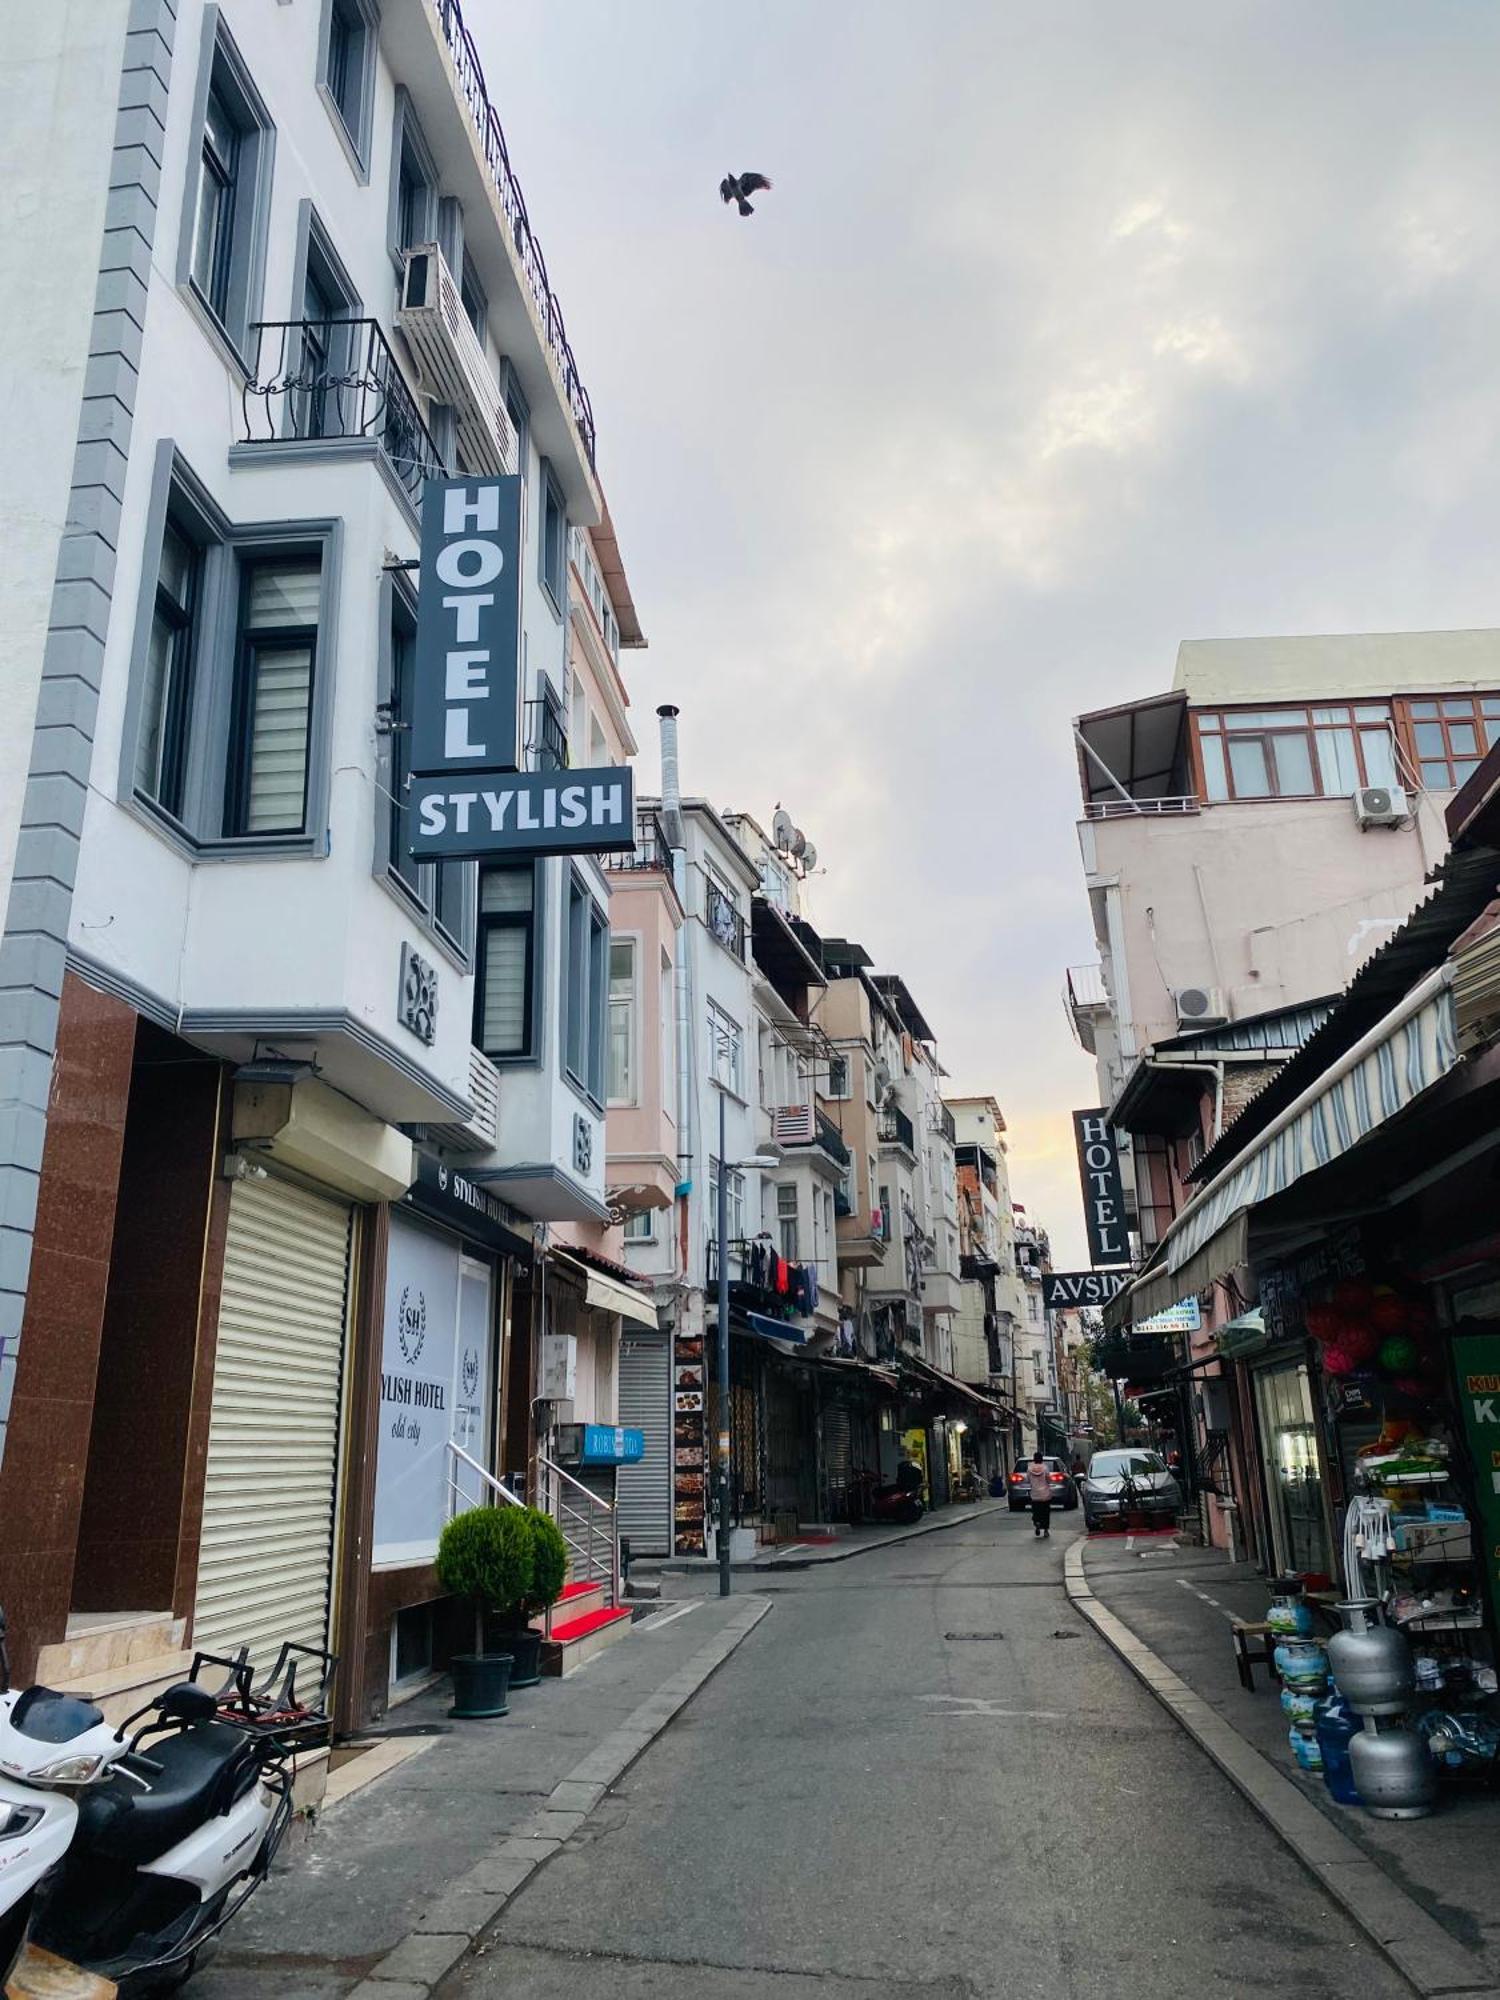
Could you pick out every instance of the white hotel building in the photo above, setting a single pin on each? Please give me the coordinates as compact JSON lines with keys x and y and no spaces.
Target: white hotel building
{"x":269,"y":269}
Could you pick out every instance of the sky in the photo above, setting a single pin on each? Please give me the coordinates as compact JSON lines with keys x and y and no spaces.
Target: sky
{"x":1067,"y":332}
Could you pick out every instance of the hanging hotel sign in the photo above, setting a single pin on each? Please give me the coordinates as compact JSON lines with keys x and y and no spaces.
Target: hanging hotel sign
{"x":1103,"y":1189}
{"x":468,"y":796}
{"x":1065,"y":1291}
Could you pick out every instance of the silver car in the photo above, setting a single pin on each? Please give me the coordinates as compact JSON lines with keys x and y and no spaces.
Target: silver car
{"x":1133,"y":1482}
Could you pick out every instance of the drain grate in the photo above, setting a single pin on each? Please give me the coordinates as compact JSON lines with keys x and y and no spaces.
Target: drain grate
{"x":980,"y":1637}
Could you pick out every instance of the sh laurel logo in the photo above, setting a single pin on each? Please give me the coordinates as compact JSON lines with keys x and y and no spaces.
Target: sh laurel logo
{"x":470,"y":1374}
{"x":411,"y":1324}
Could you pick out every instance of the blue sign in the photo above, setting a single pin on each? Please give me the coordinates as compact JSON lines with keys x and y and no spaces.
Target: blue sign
{"x":611,"y":1444}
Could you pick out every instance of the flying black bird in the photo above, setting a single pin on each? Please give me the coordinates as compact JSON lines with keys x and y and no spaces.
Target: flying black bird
{"x":735,"y":187}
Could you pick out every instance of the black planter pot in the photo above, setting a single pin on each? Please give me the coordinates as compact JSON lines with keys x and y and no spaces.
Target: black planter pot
{"x":481,"y":1682}
{"x":525,"y":1649}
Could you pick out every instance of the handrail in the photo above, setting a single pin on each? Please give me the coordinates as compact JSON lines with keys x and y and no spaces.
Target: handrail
{"x":495,"y":1485}
{"x":587,"y":1492}
{"x":603,"y":1567}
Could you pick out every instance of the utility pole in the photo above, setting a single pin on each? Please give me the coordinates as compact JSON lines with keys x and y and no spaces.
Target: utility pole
{"x":722,"y":1231}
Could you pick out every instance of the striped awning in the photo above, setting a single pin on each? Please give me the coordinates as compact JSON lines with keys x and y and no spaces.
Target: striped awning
{"x":1408,"y":1052}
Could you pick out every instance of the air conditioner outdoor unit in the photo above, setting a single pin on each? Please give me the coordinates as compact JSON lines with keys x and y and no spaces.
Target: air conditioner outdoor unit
{"x":1381,"y":805}
{"x":451,"y":360}
{"x":1200,"y":1007}
{"x":793,"y":1124}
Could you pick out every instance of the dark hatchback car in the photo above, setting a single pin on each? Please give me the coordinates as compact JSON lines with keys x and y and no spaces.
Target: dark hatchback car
{"x":1064,"y":1489}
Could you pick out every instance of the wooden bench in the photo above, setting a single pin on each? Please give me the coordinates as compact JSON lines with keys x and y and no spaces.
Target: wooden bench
{"x":1248,"y":1655}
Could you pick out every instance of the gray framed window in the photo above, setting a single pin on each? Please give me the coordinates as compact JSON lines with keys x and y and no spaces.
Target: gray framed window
{"x":552,"y":543}
{"x":227,"y":712}
{"x":346,"y":73}
{"x":441,"y":892}
{"x":519,"y":411}
{"x":786,"y":1221}
{"x":622,"y":1020}
{"x":414,"y":185}
{"x":585,"y":989}
{"x":471,"y":293}
{"x":325,"y":304}
{"x":506,"y":962}
{"x":222,"y":241}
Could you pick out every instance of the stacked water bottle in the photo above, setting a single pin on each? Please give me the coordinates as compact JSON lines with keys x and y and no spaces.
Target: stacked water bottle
{"x":1302,"y":1666}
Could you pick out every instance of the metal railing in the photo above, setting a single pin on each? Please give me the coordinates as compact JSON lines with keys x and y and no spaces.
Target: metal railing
{"x":589,"y":1526}
{"x":1133,"y":808}
{"x":726,"y":923}
{"x":471,"y":88}
{"x":896,"y":1129}
{"x":337,"y":378}
{"x":651,"y":848}
{"x":458,"y":1501}
{"x":546,"y":737}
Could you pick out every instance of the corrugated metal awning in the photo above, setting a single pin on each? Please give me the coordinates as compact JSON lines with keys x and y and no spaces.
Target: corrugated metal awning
{"x":609,"y":1295}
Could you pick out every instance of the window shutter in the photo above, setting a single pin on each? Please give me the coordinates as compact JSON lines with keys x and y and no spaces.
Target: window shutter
{"x":276,"y":798}
{"x":503,"y":1020}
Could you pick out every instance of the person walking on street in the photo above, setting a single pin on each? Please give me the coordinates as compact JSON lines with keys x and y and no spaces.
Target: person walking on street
{"x":1039,"y":1480}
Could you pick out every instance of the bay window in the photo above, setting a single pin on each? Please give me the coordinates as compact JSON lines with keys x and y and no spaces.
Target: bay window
{"x":1450,"y":735}
{"x":622,"y":1026}
{"x":505,"y":962}
{"x":1328,"y":751}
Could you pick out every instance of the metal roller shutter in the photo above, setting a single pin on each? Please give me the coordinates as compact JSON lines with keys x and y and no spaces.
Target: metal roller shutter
{"x":644,"y":1491}
{"x":837,"y":1459}
{"x":268,"y":1505}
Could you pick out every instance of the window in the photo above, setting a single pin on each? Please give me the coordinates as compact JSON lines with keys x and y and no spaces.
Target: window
{"x":1325,"y":752}
{"x":640,"y":1227}
{"x":327,"y":304}
{"x":622,"y":1020}
{"x":1450,"y":736}
{"x":734,"y":1201}
{"x":1038,"y":1372}
{"x":786,"y":1222}
{"x":872,"y":1170}
{"x":162,"y":743}
{"x":441,"y":890}
{"x":838,"y":1076}
{"x":585,"y":990}
{"x":414,"y":187}
{"x":887,"y":1215}
{"x":221,"y":254}
{"x":505,"y":962}
{"x":471,"y":296}
{"x":668,"y":1040}
{"x":270,"y":735}
{"x":726,"y":1049}
{"x":552,"y":552}
{"x":1033,"y":1312}
{"x":349,"y":73}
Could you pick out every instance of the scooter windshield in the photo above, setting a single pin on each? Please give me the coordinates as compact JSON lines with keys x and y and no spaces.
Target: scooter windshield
{"x":48,"y":1717}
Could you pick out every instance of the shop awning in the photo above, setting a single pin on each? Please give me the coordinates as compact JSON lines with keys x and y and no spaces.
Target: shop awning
{"x":1239,"y":1338}
{"x":951,"y":1382}
{"x":610,"y":1295}
{"x":1411,"y":1049}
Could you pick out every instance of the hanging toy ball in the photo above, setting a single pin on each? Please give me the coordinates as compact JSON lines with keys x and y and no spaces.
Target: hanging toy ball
{"x":1323,"y":1322}
{"x":1353,"y":1295}
{"x":1359,"y":1342}
{"x":1389,"y":1315}
{"x":1397,"y":1354}
{"x":1336,"y":1362}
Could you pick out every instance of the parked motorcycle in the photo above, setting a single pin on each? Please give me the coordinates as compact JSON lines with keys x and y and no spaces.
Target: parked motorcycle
{"x":897,"y":1503}
{"x":125,"y":1861}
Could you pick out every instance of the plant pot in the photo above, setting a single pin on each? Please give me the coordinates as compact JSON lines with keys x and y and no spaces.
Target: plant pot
{"x":525,"y":1648}
{"x":481,"y":1682}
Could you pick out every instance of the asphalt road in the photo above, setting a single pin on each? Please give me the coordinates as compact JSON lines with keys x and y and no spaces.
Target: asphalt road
{"x":924,"y":1775}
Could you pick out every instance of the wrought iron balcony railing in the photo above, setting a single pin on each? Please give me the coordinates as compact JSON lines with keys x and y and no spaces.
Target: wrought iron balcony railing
{"x":337,"y":378}
{"x":546,"y":737}
{"x":650,"y":851}
{"x":896,"y":1129}
{"x":476,"y":97}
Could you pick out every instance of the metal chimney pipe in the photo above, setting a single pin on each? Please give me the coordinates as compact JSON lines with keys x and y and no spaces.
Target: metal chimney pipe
{"x":671,"y":782}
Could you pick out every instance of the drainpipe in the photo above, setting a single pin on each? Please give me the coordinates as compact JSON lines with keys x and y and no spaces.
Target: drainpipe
{"x":672,"y":825}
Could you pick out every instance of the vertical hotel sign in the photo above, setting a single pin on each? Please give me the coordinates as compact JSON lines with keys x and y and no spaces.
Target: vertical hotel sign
{"x":1476,"y":1365}
{"x":468,"y":795}
{"x":1103,"y":1189}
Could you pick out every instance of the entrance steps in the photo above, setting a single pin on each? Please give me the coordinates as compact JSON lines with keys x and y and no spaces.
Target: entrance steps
{"x":577,"y":1600}
{"x":118,"y":1661}
{"x":576,"y":1640}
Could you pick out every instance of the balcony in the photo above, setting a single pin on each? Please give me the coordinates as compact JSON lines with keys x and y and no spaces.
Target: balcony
{"x":947,"y":1127}
{"x":861,"y":1240}
{"x":545,"y":737}
{"x":471,"y":86}
{"x":726,"y":923}
{"x":799,"y":1126}
{"x":1118,"y":808}
{"x":896,"y":1129}
{"x":651,"y":850}
{"x":319,"y":381}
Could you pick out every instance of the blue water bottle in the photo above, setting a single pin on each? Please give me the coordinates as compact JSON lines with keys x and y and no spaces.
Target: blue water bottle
{"x":1335,"y":1723}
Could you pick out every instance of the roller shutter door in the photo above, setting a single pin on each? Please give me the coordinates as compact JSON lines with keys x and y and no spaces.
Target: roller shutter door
{"x":266,"y":1555}
{"x":837,"y":1458}
{"x":644,"y":1491}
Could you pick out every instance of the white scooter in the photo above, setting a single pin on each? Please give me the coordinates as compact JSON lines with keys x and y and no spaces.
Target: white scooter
{"x":122,"y":1862}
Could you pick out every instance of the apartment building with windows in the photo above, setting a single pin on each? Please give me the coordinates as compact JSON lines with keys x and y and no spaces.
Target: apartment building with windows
{"x":288,"y":1115}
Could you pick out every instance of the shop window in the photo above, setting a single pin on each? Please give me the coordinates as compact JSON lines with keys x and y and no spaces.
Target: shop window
{"x":1305,"y":753}
{"x":1449,"y":736}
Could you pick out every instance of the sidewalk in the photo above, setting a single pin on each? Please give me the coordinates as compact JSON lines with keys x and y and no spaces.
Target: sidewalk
{"x":1178,"y":1601}
{"x":823,"y":1549}
{"x":387,"y":1889}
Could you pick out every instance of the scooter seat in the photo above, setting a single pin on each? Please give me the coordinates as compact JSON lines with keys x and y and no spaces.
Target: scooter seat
{"x":120,"y":1821}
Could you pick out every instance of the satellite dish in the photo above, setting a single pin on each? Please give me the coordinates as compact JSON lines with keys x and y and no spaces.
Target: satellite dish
{"x":782,"y":829}
{"x":799,"y":842}
{"x":809,"y":856}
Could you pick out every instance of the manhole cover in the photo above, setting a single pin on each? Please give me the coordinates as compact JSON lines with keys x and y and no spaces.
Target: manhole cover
{"x":979,"y":1636}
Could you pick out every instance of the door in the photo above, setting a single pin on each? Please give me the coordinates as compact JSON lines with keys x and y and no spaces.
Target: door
{"x":1294,"y":1479}
{"x":471,"y":1381}
{"x":265,"y":1556}
{"x":644,"y":1491}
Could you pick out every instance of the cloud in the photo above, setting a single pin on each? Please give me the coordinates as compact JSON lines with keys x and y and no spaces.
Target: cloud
{"x":1057,"y":341}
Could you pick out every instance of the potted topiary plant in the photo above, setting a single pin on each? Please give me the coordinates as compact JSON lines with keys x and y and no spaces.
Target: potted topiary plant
{"x":549,"y":1572}
{"x":486,"y":1556}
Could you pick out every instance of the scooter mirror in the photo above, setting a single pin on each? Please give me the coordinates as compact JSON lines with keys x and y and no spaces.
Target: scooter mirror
{"x":187,"y":1702}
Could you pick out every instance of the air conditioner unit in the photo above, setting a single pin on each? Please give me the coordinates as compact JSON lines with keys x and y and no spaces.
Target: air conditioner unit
{"x":451,"y":362}
{"x":1381,"y":805}
{"x":1200,"y":1007}
{"x":793,"y":1125}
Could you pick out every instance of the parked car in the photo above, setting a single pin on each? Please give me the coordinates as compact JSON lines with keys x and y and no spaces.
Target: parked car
{"x":1133,"y":1481}
{"x":1064,"y":1487}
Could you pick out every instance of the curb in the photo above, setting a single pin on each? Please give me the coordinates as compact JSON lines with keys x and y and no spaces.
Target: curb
{"x":1425,"y":1955}
{"x":701,"y":1566}
{"x":469,"y":1905}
